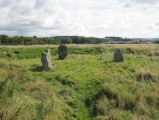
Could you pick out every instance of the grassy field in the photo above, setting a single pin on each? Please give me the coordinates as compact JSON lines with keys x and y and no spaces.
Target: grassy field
{"x":87,"y":85}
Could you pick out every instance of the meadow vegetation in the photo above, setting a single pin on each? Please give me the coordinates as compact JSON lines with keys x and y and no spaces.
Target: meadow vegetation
{"x":87,"y":85}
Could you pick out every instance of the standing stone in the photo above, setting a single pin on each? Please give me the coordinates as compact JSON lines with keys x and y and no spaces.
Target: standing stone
{"x":46,"y":60}
{"x":62,"y":51}
{"x":118,"y":55}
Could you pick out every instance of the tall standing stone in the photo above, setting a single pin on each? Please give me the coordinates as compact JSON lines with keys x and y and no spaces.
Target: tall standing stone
{"x":62,"y":51}
{"x":119,"y":55}
{"x":46,"y":60}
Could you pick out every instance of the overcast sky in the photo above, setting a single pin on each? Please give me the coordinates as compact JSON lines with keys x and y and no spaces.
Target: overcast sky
{"x":98,"y":18}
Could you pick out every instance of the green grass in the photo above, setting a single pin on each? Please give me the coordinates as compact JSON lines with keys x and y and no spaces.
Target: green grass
{"x":86,"y":85}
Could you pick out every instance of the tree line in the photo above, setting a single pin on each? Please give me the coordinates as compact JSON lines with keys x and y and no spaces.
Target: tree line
{"x":23,"y":40}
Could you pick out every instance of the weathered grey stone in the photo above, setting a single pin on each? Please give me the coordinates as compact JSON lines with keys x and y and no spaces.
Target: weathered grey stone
{"x":46,"y":60}
{"x":62,"y":51}
{"x":119,"y":55}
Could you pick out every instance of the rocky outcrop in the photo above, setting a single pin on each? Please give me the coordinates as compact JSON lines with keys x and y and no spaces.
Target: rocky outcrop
{"x":62,"y":51}
{"x":118,"y":55}
{"x":46,"y":60}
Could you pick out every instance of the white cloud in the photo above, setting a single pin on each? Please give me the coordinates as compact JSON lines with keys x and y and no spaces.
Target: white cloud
{"x":154,"y":26}
{"x":39,"y":17}
{"x":126,"y":18}
{"x":156,"y":23}
{"x":142,"y":5}
{"x":133,"y":3}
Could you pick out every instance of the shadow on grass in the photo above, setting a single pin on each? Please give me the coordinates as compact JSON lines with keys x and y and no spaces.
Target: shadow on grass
{"x":36,"y":68}
{"x":60,"y":59}
{"x":110,"y":61}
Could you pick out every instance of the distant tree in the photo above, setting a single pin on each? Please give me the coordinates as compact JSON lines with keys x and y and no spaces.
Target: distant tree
{"x":4,"y":39}
{"x":66,"y":40}
{"x":157,"y":41}
{"x":76,"y":39}
{"x":56,"y":40}
{"x":28,"y":41}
